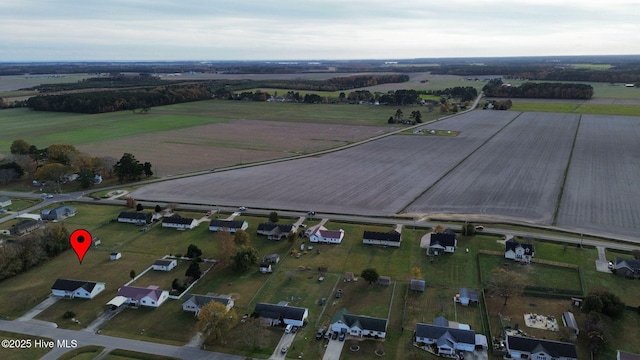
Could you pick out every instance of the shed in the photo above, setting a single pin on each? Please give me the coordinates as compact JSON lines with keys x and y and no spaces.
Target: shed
{"x":417,"y":285}
{"x":384,"y":280}
{"x":5,"y":201}
{"x":570,"y":321}
{"x":265,"y":268}
{"x":115,"y":256}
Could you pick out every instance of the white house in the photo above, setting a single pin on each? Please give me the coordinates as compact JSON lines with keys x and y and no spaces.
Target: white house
{"x":135,"y":217}
{"x":76,"y":288}
{"x":230,"y":225}
{"x":521,"y":347}
{"x":164,"y":264}
{"x":391,"y":238}
{"x":151,"y":296}
{"x":322,"y":235}
{"x":179,"y":223}
{"x":448,"y":340}
{"x":282,"y":313}
{"x":518,"y":251}
{"x":442,"y":243}
{"x":194,"y":303}
{"x":359,"y":325}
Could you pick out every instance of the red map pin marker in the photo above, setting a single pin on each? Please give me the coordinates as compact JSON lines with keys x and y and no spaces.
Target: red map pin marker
{"x":80,"y":241}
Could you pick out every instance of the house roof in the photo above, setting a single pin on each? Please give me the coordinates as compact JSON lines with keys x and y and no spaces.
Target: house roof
{"x":468,"y":293}
{"x":512,"y":245}
{"x":4,"y":199}
{"x":163,"y":262}
{"x":444,"y":332}
{"x":441,"y":321}
{"x":443,"y":239}
{"x":134,"y":215}
{"x":552,"y":348}
{"x":176,"y":219}
{"x":137,"y":293}
{"x":25,"y":225}
{"x":202,"y":300}
{"x":269,"y":226}
{"x":229,"y":224}
{"x":272,"y":311}
{"x":631,"y":264}
{"x":569,"y":320}
{"x":333,"y":234}
{"x":417,"y":285}
{"x":361,"y":321}
{"x":73,"y":285}
{"x":383,"y":236}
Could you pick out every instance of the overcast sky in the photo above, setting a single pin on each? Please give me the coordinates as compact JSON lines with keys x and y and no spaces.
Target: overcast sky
{"x":49,"y":30}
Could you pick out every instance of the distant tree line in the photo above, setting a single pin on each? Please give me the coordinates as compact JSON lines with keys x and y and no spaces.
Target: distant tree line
{"x":112,"y":81}
{"x":466,"y":93}
{"x":496,"y":88}
{"x":34,"y":248}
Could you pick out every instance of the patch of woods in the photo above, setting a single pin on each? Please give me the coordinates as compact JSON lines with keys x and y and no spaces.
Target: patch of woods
{"x":496,"y":88}
{"x":32,"y":249}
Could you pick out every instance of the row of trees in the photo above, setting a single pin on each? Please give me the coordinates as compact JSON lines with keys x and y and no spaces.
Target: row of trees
{"x":34,"y":248}
{"x":496,"y":88}
{"x":128,"y":168}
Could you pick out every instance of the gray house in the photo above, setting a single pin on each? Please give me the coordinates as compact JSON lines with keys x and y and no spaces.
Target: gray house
{"x":57,"y":214}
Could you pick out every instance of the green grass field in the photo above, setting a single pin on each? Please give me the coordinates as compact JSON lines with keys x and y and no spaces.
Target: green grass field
{"x":599,"y":109}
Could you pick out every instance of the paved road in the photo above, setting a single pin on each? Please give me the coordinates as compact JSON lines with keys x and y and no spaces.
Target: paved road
{"x":85,"y":338}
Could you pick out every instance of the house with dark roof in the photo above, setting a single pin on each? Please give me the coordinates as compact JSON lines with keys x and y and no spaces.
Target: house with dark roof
{"x":274,"y":231}
{"x":282,"y":313}
{"x":25,"y":227}
{"x":629,"y":268}
{"x":447,"y":340}
{"x":442,"y":243}
{"x":521,"y":252}
{"x":467,"y":297}
{"x":179,"y":223}
{"x":391,"y":238}
{"x":623,"y":355}
{"x":5,"y":201}
{"x":384,"y":280}
{"x":229,"y":225}
{"x":521,"y":347}
{"x":359,"y":325}
{"x":68,"y":288}
{"x":194,"y":303}
{"x":322,"y":235}
{"x":57,"y":214}
{"x":271,"y":259}
{"x":135,"y":217}
{"x":265,"y":268}
{"x":164,"y":264}
{"x":151,"y":296}
{"x":417,"y":285}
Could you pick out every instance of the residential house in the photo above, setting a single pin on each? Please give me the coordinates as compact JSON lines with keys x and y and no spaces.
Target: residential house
{"x":57,"y":214}
{"x":229,"y":225}
{"x":623,"y":355}
{"x":322,"y":235}
{"x":467,"y":297}
{"x":76,"y":288}
{"x":417,"y":285}
{"x":194,"y":303}
{"x":151,"y":296}
{"x":391,"y":238}
{"x":442,"y":243}
{"x":115,"y":256}
{"x":384,"y":280}
{"x":135,"y":217}
{"x":164,"y":264}
{"x":520,"y":347}
{"x":359,"y":325}
{"x":271,"y":259}
{"x":25,"y":227}
{"x":447,"y":340}
{"x":274,"y":231}
{"x":179,"y":223}
{"x":265,"y":268}
{"x":5,"y":201}
{"x":520,"y":252}
{"x":282,"y":313}
{"x":629,"y":268}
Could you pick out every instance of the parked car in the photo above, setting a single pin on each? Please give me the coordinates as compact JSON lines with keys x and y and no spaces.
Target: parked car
{"x":294,"y":329}
{"x":242,"y":208}
{"x":338,"y":293}
{"x":334,"y":336}
{"x":284,"y":349}
{"x":610,"y":265}
{"x":479,"y":228}
{"x":320,"y":333}
{"x":342,"y":336}
{"x":209,"y":213}
{"x":322,"y":301}
{"x":288,"y":329}
{"x":327,"y":335}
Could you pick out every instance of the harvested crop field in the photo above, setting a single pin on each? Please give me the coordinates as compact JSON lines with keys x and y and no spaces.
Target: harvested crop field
{"x":223,"y":144}
{"x":505,"y":165}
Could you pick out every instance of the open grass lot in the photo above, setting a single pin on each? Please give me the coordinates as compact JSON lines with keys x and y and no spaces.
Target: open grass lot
{"x":163,"y":279}
{"x":526,"y":105}
{"x":21,"y":354}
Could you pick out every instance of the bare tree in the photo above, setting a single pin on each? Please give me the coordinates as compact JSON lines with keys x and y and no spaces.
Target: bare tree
{"x":506,"y":283}
{"x":226,"y":247}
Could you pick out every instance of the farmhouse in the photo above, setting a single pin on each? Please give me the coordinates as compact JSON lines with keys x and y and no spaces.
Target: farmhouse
{"x":135,"y":217}
{"x":179,"y":223}
{"x":467,"y":297}
{"x":274,"y":231}
{"x":282,"y":313}
{"x":520,"y":347}
{"x":629,"y":268}
{"x":151,"y":296}
{"x":447,"y":340}
{"x":442,"y":243}
{"x":359,"y":325}
{"x":417,"y":285}
{"x":229,"y":225}
{"x":322,"y":235}
{"x":391,"y":238}
{"x":57,"y":214}
{"x":164,"y":264}
{"x":76,"y":288}
{"x":5,"y":201}
{"x":520,"y":252}
{"x":194,"y":303}
{"x":25,"y":227}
